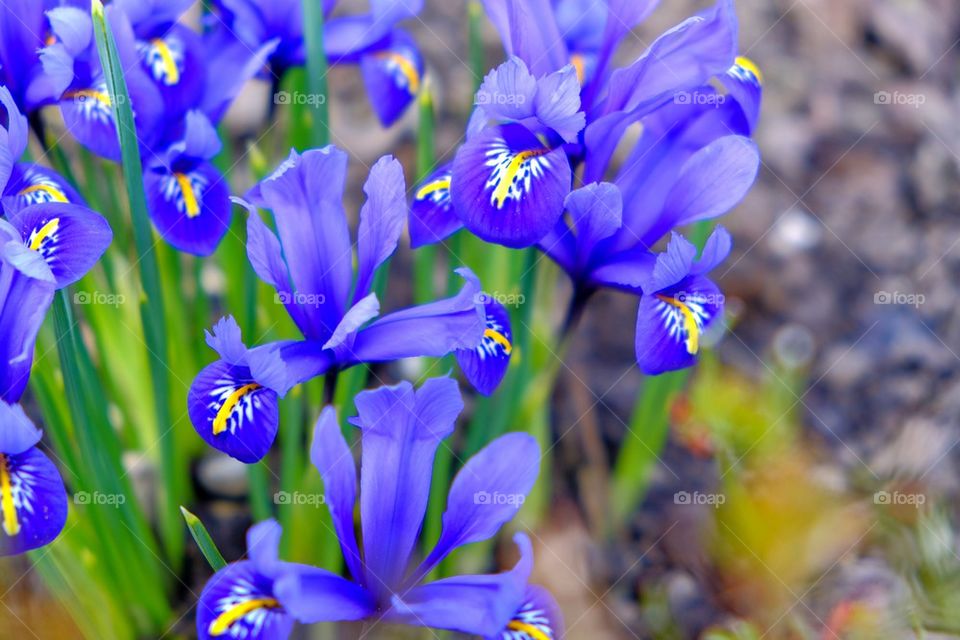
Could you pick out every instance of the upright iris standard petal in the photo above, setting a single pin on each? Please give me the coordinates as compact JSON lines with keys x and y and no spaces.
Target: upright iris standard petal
{"x":508,"y":92}
{"x":682,"y":59}
{"x":401,"y":432}
{"x":33,"y":500}
{"x":509,"y":187}
{"x":487,"y":493}
{"x":381,"y":221}
{"x":530,"y":32}
{"x":69,"y":237}
{"x":714,"y":180}
{"x":306,"y":196}
{"x":486,"y":364}
{"x":557,"y":105}
{"x":393,"y":77}
{"x":331,"y":456}
{"x":238,"y":603}
{"x":539,"y":618}
{"x":190,"y":208}
{"x":431,"y":217}
{"x":232,"y":412}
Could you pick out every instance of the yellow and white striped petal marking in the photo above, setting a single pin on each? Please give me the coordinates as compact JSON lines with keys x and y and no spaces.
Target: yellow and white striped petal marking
{"x":746,"y":69}
{"x":683,"y":318}
{"x":438,"y":191}
{"x":513,"y":172}
{"x":40,"y":189}
{"x":243,"y":611}
{"x":164,"y":58}
{"x":403,"y":70}
{"x":495,"y":341}
{"x":185,"y":191}
{"x":236,"y":404}
{"x":43,"y":239}
{"x":254,"y":608}
{"x":10,"y":496}
{"x":530,"y":623}
{"x":95,"y":103}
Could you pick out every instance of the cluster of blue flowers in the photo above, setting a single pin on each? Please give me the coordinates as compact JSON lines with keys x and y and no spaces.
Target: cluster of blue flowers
{"x":49,"y":239}
{"x":557,"y":107}
{"x":548,"y":119}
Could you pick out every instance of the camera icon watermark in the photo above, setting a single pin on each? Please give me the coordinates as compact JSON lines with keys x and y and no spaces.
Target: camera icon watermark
{"x":505,"y":299}
{"x":899,"y":298}
{"x":300,"y":98}
{"x":700,"y":298}
{"x":486,"y":498}
{"x":301,"y":299}
{"x":899,"y":498}
{"x":99,"y":298}
{"x":299,"y":498}
{"x":496,"y":98}
{"x":691,"y":498}
{"x":898,"y":98}
{"x":699,"y":98}
{"x":99,"y":498}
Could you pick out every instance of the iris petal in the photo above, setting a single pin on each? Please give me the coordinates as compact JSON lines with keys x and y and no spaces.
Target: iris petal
{"x":238,"y":603}
{"x":431,"y":216}
{"x":33,"y":501}
{"x":538,"y":619}
{"x":69,"y":237}
{"x":508,"y":187}
{"x":487,"y":363}
{"x":191,"y":209}
{"x":671,"y":324}
{"x":232,"y":412}
{"x":393,"y":77}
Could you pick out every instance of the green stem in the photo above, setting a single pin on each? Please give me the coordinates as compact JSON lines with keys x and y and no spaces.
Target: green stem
{"x":152,"y":307}
{"x":643,"y":443}
{"x":475,"y":42}
{"x":316,"y":70}
{"x":425,"y":258}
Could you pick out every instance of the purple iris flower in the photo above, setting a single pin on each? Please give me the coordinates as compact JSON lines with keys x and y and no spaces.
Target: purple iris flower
{"x":171,"y":54}
{"x":233,"y":402}
{"x":188,"y":198}
{"x":390,"y":61}
{"x":33,"y":500}
{"x":509,"y":179}
{"x":698,"y":104}
{"x":48,"y":240}
{"x":47,"y":214}
{"x":23,"y":27}
{"x":71,"y":64}
{"x":401,"y":430}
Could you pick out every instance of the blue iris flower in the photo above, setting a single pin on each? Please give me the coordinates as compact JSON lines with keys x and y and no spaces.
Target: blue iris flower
{"x":400,"y":432}
{"x":180,"y":85}
{"x":48,"y":240}
{"x":233,"y":402}
{"x":389,"y":59}
{"x":698,"y":104}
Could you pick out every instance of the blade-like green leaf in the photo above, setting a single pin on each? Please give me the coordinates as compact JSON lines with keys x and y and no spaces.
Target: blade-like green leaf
{"x":202,"y":537}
